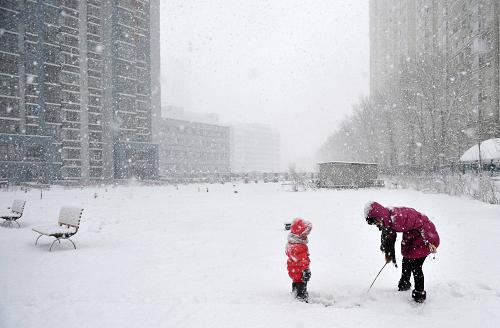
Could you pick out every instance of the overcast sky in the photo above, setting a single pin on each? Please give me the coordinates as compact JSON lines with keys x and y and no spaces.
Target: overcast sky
{"x":296,"y":65}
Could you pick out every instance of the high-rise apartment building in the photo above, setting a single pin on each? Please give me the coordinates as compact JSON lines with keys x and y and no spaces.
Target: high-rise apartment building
{"x":392,"y":44}
{"x":434,"y":66}
{"x":76,"y":90}
{"x":473,"y":54}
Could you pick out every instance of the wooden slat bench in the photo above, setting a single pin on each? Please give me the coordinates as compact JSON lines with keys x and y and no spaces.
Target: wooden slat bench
{"x":13,"y":213}
{"x":68,"y":225}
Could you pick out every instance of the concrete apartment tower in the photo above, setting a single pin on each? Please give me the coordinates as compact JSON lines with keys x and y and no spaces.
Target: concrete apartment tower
{"x":76,"y":90}
{"x":435,"y":61}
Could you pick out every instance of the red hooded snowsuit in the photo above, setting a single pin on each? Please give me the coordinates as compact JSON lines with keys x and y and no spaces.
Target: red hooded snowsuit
{"x":296,"y":249}
{"x":418,"y":231}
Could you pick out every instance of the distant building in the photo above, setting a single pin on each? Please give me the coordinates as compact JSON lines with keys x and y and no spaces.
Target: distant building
{"x":76,"y":101}
{"x":254,"y":148}
{"x":193,"y":150}
{"x":179,"y":113}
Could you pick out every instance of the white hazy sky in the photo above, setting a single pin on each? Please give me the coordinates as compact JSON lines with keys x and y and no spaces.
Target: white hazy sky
{"x":296,"y":65}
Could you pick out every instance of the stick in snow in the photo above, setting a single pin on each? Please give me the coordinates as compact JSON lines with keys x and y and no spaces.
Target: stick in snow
{"x":377,"y":276}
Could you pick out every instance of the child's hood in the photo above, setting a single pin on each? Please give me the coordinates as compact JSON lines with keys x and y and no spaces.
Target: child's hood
{"x":301,"y":227}
{"x":375,"y":210}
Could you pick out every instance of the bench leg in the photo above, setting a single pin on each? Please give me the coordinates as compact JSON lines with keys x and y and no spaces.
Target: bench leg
{"x":36,"y":241}
{"x":72,"y":243}
{"x":57,"y":239}
{"x":9,"y":223}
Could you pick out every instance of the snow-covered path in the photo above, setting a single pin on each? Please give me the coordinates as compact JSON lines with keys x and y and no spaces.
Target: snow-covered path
{"x":162,"y":257}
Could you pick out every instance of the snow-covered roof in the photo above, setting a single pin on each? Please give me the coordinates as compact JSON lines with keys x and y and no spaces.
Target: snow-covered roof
{"x":490,"y":149}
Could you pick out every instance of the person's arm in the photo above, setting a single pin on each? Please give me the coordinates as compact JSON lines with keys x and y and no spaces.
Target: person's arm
{"x":429,"y":234}
{"x":387,"y":240}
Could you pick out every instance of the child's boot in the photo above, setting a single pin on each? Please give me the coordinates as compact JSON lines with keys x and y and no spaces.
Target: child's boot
{"x":419,"y":296}
{"x":302,"y":294}
{"x":404,"y":285}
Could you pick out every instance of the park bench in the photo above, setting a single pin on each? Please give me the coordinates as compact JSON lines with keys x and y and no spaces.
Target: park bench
{"x":68,"y":224}
{"x":13,"y":213}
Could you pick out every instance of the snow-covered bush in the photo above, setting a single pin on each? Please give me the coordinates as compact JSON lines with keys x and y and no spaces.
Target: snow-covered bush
{"x":480,"y":187}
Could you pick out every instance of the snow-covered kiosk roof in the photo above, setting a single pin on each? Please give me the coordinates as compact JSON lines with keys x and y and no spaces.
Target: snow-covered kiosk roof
{"x":490,"y":149}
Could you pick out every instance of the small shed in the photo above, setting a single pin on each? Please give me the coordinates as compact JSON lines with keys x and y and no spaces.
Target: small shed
{"x":348,"y":175}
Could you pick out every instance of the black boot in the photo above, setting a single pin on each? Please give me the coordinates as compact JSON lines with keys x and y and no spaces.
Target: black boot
{"x":404,"y":285}
{"x":419,"y":296}
{"x":300,"y":291}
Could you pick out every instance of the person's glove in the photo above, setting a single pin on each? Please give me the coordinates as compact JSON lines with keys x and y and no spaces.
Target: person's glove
{"x":387,"y":241}
{"x":306,"y":275}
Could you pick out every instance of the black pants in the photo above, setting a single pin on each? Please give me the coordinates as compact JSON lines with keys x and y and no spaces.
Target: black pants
{"x":413,"y":266}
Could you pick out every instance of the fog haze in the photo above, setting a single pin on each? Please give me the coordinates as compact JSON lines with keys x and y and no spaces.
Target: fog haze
{"x":294,"y":65}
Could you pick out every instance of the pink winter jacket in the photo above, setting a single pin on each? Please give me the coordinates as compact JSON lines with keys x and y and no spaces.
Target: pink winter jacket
{"x":418,"y":231}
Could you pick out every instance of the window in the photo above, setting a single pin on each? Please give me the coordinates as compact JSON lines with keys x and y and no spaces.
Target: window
{"x":8,"y":20}
{"x":124,"y":85}
{"x":72,"y":172}
{"x":94,"y":82}
{"x":9,"y":107}
{"x":51,"y":73}
{"x":52,"y":113}
{"x":96,"y":155}
{"x":71,"y":135}
{"x":8,"y":64}
{"x":125,"y":69}
{"x":125,"y":17}
{"x":70,"y":97}
{"x":34,"y":152}
{"x":69,"y":78}
{"x":8,"y":42}
{"x":93,"y":11}
{"x":94,"y":64}
{"x":8,"y":85}
{"x":125,"y":51}
{"x":52,"y":34}
{"x":72,"y":154}
{"x":72,"y":116}
{"x":95,"y":136}
{"x":4,"y":152}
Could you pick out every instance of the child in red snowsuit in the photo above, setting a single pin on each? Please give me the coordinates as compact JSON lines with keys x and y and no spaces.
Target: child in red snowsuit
{"x":298,"y":257}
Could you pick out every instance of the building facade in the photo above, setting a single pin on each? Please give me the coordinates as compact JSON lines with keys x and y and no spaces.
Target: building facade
{"x":434,"y":66}
{"x":254,"y":148}
{"x":76,"y":90}
{"x":193,"y":150}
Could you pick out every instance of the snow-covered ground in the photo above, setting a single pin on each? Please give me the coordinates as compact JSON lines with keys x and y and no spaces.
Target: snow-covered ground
{"x":162,"y":257}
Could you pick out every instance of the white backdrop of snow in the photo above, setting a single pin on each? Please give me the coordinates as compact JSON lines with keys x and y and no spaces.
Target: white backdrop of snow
{"x":162,"y":257}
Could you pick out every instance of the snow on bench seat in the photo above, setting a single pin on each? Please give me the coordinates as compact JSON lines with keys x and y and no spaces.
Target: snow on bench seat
{"x":10,"y":214}
{"x":50,"y":230}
